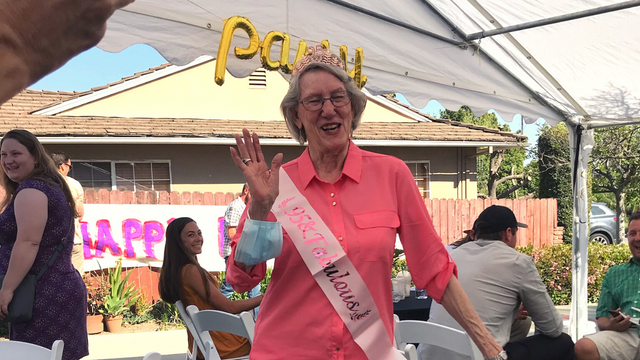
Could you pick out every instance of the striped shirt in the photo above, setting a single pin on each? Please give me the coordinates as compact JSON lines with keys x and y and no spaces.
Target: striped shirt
{"x":231,"y":219}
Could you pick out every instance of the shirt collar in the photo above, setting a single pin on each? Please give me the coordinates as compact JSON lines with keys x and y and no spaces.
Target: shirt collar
{"x":634,"y":261}
{"x":352,"y":165}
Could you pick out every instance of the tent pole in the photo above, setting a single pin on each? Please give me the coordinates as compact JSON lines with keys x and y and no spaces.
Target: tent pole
{"x":456,"y":30}
{"x":393,"y":21}
{"x":581,"y":143}
{"x":554,"y":20}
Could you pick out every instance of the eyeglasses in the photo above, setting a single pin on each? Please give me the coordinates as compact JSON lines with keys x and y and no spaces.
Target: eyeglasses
{"x":315,"y":103}
{"x":69,"y":165}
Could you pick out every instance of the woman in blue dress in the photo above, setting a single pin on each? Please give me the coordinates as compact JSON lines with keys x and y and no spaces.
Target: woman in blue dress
{"x":38,"y":216}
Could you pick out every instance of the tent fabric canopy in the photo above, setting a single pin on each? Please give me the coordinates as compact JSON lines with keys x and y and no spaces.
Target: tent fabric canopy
{"x":584,"y":72}
{"x":593,"y":59}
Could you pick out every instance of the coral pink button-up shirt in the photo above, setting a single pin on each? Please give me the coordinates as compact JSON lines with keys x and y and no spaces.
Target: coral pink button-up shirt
{"x":375,"y":198}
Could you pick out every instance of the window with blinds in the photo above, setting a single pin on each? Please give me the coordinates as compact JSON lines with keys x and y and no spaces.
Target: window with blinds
{"x":92,"y":174}
{"x":123,"y":175}
{"x":421,"y":174}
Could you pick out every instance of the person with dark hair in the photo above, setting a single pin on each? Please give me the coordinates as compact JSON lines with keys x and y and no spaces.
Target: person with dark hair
{"x":619,"y":304}
{"x":498,"y":280}
{"x":63,"y":163}
{"x":182,"y":278}
{"x":36,"y":227}
{"x":469,"y":235}
{"x":330,"y":219}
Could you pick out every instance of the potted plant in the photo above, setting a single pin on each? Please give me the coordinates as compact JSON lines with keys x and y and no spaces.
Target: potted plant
{"x":97,"y":288}
{"x":119,"y":295}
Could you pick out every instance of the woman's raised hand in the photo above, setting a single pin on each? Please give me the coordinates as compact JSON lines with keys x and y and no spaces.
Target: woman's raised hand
{"x":263,"y":180}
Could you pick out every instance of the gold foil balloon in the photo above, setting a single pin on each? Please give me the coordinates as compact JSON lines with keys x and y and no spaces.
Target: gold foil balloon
{"x":230,"y":26}
{"x":265,"y":49}
{"x":285,"y":65}
{"x":356,"y":72}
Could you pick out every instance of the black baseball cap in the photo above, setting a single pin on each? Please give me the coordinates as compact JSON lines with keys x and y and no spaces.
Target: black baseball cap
{"x":496,"y":218}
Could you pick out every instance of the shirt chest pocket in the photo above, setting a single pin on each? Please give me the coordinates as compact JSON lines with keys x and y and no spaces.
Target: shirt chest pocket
{"x":376,"y":234}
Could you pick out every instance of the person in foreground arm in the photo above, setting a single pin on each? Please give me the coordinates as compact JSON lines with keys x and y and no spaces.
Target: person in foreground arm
{"x":37,"y":37}
{"x":182,"y":278}
{"x":618,"y":337}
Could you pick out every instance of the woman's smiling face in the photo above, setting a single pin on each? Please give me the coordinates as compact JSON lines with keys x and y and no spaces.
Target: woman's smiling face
{"x":329,"y":128}
{"x":191,"y":237}
{"x":17,"y":162}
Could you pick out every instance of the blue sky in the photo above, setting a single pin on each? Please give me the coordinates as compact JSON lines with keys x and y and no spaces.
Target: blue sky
{"x":95,"y":67}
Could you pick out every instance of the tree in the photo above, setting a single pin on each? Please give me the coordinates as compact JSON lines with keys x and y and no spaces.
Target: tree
{"x":615,"y":160}
{"x":554,"y":164}
{"x":496,"y":171}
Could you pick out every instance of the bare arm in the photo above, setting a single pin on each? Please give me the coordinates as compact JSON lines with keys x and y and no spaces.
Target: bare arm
{"x":614,"y":323}
{"x":218,"y":301}
{"x":80,"y":210}
{"x":31,"y":217}
{"x":231,"y":231}
{"x":37,"y":37}
{"x":457,"y":304}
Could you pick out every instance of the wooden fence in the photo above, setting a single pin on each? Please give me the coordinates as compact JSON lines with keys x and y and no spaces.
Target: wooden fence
{"x":450,"y":217}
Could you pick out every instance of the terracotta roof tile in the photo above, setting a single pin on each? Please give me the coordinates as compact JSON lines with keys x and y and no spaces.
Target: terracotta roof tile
{"x":18,"y":113}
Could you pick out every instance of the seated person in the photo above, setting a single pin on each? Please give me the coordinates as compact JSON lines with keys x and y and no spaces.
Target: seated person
{"x":617,"y":338}
{"x":498,"y":279}
{"x":522,"y":323}
{"x":182,"y":278}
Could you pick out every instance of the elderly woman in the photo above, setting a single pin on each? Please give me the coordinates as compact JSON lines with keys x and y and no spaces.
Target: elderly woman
{"x":36,"y":230}
{"x":341,"y":208}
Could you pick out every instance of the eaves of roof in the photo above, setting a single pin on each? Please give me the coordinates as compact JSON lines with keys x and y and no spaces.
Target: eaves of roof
{"x":18,"y":112}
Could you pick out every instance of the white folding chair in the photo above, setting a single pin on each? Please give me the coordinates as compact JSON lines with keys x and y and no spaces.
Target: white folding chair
{"x":409,"y":351}
{"x":197,"y":341}
{"x":214,"y":320}
{"x":152,"y":356}
{"x":11,"y":350}
{"x":412,"y":331}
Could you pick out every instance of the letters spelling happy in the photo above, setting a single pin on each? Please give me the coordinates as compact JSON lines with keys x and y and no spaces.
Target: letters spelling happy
{"x":239,"y":22}
{"x":315,"y":243}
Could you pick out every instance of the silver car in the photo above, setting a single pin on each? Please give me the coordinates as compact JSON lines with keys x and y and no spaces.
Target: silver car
{"x":604,"y":224}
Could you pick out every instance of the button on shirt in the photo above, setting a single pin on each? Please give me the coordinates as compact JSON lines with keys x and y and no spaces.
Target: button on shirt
{"x":621,"y":289}
{"x":375,"y":198}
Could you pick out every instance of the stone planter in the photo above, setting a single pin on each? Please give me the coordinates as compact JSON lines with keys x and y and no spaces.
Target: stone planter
{"x":113,"y":323}
{"x":94,"y":324}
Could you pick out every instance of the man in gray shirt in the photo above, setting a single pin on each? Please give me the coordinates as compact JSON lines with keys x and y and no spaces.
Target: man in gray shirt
{"x":497,"y":280}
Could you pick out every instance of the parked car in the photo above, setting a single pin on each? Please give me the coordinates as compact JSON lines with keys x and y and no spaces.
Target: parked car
{"x":604,"y":224}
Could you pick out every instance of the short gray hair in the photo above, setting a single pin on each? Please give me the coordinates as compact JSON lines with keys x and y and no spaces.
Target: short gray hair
{"x":289,"y":105}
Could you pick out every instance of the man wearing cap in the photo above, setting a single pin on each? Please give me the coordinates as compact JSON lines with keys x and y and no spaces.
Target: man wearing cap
{"x":498,"y":279}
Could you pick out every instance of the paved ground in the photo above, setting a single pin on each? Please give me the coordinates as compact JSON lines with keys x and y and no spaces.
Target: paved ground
{"x":172,"y":344}
{"x":133,"y":346}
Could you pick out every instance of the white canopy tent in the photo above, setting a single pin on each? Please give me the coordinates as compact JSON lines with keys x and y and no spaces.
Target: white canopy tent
{"x":584,"y":71}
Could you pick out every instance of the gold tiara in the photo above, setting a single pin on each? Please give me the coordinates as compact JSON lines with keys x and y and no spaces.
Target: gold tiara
{"x":319,"y":55}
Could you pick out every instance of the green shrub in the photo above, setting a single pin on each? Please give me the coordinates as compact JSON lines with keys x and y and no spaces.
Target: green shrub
{"x":263,"y":285}
{"x":554,"y":266}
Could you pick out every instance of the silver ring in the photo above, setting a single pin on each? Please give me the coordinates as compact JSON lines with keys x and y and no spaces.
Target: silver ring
{"x":246,"y":161}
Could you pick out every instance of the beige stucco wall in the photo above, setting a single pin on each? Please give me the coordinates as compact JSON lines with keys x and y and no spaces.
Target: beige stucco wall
{"x":209,"y":168}
{"x":192,"y":93}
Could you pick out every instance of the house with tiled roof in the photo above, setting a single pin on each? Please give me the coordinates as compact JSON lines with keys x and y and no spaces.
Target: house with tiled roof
{"x":170,"y":128}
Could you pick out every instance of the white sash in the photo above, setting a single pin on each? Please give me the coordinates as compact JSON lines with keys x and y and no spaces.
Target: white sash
{"x":333,"y":271}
